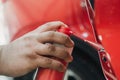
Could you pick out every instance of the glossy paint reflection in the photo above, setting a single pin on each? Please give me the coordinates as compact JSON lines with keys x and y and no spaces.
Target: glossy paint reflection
{"x":108,"y":27}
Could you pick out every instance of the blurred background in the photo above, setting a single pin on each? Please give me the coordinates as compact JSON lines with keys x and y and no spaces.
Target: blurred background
{"x":3,"y":28}
{"x":4,"y":36}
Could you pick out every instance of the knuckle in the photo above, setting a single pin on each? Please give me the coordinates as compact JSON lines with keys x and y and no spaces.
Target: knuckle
{"x":65,"y":39}
{"x":31,"y":54}
{"x":48,"y":24}
{"x":50,"y":47}
{"x":27,"y":38}
{"x":51,"y":34}
{"x":48,"y":61}
{"x":59,"y":66}
{"x":29,"y":42}
{"x":65,"y":55}
{"x":59,"y":21}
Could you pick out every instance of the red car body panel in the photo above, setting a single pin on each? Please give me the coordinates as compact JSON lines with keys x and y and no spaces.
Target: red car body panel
{"x":107,"y":20}
{"x":30,"y":14}
{"x":26,"y":15}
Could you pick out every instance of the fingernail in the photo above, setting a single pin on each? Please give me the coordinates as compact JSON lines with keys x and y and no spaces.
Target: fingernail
{"x":70,"y":59}
{"x":70,"y":44}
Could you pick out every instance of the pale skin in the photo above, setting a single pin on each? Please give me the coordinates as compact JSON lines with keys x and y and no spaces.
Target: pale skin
{"x":35,"y":49}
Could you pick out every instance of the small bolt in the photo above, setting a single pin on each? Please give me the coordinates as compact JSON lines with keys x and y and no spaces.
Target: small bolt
{"x":104,"y":59}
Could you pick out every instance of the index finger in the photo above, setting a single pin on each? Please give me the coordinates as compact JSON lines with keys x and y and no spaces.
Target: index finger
{"x":51,"y":26}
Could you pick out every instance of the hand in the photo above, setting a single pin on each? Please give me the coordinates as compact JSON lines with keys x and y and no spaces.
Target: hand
{"x":34,"y":49}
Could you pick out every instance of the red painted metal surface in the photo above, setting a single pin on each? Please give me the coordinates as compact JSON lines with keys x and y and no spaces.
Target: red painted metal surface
{"x":105,"y":61}
{"x":107,"y":20}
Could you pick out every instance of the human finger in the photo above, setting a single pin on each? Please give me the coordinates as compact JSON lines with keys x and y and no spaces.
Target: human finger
{"x":46,"y":62}
{"x":55,"y":37}
{"x":54,"y":25}
{"x":59,"y":52}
